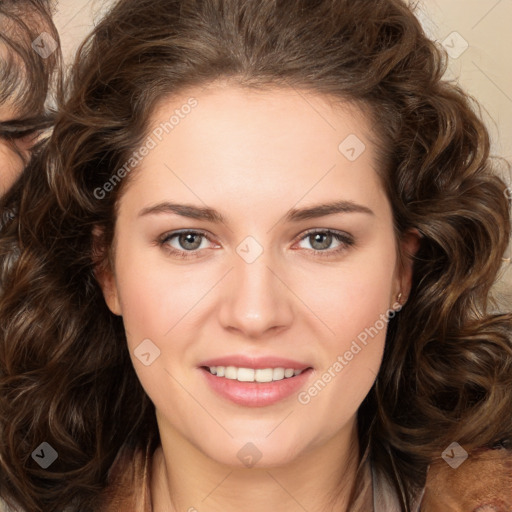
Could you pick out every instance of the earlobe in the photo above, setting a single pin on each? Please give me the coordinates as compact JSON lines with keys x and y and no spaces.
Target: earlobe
{"x":108,"y":285}
{"x":409,"y":246}
{"x":104,"y":274}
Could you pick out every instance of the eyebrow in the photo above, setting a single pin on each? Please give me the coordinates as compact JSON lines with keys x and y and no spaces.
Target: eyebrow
{"x":293,"y":215}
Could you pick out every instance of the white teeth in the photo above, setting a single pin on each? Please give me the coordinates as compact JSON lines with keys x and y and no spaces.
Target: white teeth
{"x":278,"y":374}
{"x":264,"y":375}
{"x":245,"y":374}
{"x":253,"y":375}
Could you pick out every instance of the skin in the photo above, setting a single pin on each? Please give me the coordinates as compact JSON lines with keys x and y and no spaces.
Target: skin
{"x":253,"y":156}
{"x":11,"y":164}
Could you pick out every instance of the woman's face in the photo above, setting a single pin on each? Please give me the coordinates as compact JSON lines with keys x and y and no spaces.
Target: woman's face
{"x":260,"y":286}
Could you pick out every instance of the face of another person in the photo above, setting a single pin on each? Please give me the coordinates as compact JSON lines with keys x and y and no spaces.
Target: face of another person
{"x":260,"y":290}
{"x":15,"y":153}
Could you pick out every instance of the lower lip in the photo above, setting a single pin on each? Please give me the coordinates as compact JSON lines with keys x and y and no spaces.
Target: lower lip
{"x":256,"y":394}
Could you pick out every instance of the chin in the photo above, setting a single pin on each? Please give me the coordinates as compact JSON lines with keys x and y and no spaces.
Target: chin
{"x":253,"y":453}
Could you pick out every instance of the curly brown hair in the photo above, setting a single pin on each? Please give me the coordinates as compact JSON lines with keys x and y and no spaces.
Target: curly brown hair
{"x":447,"y":369}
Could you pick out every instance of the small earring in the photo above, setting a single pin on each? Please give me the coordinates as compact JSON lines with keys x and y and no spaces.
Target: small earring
{"x":399,"y":296}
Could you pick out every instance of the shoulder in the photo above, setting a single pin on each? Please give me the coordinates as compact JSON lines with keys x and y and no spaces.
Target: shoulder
{"x":385,"y":498}
{"x":5,"y":508}
{"x":483,"y":479}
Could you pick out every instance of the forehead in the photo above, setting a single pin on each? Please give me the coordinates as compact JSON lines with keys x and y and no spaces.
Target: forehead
{"x":261,"y":104}
{"x":258,"y":134}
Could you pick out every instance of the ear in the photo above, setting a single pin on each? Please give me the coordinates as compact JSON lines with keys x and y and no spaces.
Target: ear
{"x":104,"y":272}
{"x":409,"y":245}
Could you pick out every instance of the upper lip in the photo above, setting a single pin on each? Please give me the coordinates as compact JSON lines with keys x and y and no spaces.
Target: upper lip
{"x":243,"y":361}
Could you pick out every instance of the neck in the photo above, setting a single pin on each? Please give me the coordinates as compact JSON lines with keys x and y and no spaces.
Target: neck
{"x":321,"y":478}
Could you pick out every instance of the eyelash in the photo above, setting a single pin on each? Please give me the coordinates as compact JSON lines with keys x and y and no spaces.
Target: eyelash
{"x":346,"y":240}
{"x":19,"y":134}
{"x":20,"y":128}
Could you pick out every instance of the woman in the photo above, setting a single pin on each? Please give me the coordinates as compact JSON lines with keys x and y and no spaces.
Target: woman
{"x":257,"y":275}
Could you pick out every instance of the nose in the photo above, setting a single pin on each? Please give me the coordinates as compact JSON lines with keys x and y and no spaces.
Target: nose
{"x":256,"y":301}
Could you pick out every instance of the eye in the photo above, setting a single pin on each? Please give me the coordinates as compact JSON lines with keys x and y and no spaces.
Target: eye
{"x":184,"y":244}
{"x":18,"y":134}
{"x":30,"y":128}
{"x":322,"y":240}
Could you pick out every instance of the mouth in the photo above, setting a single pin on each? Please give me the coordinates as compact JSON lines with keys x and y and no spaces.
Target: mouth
{"x":255,"y":387}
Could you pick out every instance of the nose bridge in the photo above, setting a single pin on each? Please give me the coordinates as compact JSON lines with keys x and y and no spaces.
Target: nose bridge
{"x":256,"y":300}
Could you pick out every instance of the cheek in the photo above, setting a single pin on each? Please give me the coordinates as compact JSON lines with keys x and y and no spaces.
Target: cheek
{"x":352,"y":362}
{"x":350,"y":297}
{"x":146,"y":298}
{"x":11,"y":167}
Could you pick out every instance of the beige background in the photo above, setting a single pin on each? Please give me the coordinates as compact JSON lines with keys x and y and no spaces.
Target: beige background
{"x":476,"y":33}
